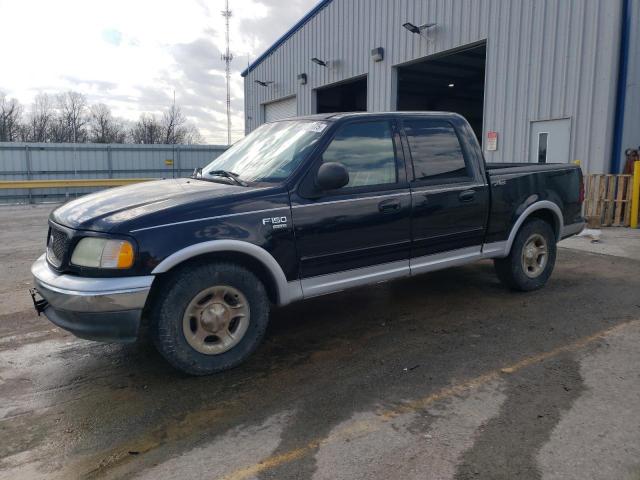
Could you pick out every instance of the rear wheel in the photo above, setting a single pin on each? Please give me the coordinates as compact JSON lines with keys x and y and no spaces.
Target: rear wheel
{"x":210,"y":318}
{"x":531,"y":259}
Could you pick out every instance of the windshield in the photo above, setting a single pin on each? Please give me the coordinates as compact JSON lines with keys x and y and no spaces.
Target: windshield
{"x":268,"y":154}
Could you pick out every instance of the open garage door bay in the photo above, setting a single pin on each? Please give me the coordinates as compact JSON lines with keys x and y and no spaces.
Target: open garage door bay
{"x":348,"y":96}
{"x":449,"y":82}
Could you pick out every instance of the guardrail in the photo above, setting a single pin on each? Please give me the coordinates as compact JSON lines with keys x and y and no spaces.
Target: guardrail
{"x":72,"y":183}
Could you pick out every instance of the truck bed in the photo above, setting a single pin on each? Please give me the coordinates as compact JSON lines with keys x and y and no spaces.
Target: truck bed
{"x":515,"y":185}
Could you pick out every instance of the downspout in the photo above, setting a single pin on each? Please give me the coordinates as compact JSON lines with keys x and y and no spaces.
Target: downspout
{"x":622,"y":87}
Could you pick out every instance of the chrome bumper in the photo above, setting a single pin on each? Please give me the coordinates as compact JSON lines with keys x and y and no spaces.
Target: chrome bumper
{"x":96,"y":308}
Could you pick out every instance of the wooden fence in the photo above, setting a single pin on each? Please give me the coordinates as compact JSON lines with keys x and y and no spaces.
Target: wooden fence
{"x":607,"y":200}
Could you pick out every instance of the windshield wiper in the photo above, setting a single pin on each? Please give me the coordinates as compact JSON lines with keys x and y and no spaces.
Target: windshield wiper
{"x":197,"y":175}
{"x":233,"y":176}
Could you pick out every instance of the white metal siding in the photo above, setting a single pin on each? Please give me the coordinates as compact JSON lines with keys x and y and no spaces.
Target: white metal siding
{"x":631,"y":130}
{"x":546,"y":59}
{"x":280,"y":109}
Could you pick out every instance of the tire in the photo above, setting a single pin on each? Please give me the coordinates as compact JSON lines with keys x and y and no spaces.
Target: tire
{"x":525,"y":269}
{"x":209,"y":318}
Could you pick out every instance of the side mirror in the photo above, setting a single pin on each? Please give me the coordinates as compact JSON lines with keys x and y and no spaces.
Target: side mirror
{"x":331,"y":176}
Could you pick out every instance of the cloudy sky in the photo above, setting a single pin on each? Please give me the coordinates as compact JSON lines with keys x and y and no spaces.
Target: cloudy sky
{"x":133,"y":54}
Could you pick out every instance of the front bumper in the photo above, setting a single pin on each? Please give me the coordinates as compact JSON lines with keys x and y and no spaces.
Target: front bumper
{"x":105,"y":309}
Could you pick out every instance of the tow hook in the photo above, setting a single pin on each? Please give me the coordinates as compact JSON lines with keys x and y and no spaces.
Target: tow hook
{"x":39,"y":304}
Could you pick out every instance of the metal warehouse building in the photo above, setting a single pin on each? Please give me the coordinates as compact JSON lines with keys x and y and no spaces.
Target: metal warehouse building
{"x":539,"y":80}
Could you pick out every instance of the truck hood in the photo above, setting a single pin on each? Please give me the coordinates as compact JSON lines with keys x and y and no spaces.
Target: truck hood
{"x":103,"y":210}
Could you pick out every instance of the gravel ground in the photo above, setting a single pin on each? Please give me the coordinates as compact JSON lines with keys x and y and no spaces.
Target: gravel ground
{"x":445,"y":376}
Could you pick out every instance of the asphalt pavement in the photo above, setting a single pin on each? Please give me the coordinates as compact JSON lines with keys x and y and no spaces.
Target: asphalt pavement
{"x":444,"y":376}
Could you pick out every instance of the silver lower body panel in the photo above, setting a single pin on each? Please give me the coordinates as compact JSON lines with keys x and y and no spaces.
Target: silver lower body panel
{"x":106,"y":309}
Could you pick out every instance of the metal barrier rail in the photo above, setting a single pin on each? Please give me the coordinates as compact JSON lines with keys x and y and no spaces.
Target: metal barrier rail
{"x":86,"y":182}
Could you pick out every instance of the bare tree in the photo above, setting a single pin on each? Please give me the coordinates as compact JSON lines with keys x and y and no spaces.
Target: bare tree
{"x":104,"y":127}
{"x":72,"y":110}
{"x":173,"y":123}
{"x":192,"y":135}
{"x":10,"y":116}
{"x":58,"y":132}
{"x":147,"y":130}
{"x":176,"y":129}
{"x":67,"y":117}
{"x":39,"y":119}
{"x":24,"y":133}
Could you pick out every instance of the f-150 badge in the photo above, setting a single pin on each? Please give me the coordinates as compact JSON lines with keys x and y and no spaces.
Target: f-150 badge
{"x":275,"y":222}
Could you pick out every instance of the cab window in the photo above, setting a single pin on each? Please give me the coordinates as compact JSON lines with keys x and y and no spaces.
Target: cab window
{"x":366,"y":150}
{"x":435,"y":151}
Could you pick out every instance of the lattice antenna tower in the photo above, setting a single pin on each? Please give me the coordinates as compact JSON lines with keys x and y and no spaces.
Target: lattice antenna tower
{"x":227,"y":56}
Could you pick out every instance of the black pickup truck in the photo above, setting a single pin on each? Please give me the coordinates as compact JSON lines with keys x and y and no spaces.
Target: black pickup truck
{"x":298,"y":208}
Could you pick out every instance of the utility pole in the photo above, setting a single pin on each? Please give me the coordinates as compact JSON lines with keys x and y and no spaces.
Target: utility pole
{"x":227,"y":57}
{"x":247,"y":101}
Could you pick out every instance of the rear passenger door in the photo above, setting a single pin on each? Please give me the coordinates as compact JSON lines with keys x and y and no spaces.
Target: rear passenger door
{"x":359,"y":232}
{"x":450,"y":198}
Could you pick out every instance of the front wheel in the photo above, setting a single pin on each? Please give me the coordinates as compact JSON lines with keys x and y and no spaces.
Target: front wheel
{"x":210,"y":317}
{"x":531,"y":259}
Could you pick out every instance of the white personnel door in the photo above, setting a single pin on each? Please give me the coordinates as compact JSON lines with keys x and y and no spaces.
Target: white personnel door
{"x":280,"y":109}
{"x":550,"y":141}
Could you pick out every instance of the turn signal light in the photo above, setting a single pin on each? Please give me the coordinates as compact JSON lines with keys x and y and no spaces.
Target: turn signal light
{"x":98,"y":252}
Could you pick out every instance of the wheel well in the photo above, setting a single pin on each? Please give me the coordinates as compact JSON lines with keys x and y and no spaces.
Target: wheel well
{"x":247,"y":261}
{"x":547,"y":216}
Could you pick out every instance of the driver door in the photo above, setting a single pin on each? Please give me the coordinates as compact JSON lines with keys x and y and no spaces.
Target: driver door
{"x":361,"y":232}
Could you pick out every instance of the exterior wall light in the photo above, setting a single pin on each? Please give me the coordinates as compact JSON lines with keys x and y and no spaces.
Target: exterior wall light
{"x":377,"y":54}
{"x":302,"y":79}
{"x":264,"y":83}
{"x":417,"y":29}
{"x":317,"y":61}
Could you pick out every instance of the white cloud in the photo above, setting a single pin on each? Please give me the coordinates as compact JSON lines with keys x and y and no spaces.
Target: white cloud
{"x":132,"y":54}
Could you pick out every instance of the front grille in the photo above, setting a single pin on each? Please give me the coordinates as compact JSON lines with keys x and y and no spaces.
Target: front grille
{"x":57,"y":246}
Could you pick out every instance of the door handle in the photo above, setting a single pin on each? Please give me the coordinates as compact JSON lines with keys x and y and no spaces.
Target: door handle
{"x":388,"y":206}
{"x":467,"y":196}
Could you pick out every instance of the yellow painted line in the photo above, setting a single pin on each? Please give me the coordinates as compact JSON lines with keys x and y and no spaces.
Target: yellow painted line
{"x":419,"y":404}
{"x":75,"y":182}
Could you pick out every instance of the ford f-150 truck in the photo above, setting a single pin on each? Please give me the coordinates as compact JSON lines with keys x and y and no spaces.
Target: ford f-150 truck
{"x":299,"y":208}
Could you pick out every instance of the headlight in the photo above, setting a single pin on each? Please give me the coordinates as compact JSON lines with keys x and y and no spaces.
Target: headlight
{"x":102,"y":253}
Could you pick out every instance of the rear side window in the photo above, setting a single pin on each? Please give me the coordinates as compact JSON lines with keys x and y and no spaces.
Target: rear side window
{"x":366,"y":150}
{"x":435,"y":151}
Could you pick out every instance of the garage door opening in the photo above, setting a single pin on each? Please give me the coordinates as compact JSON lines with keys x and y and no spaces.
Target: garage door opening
{"x":451,"y":82}
{"x":350,"y":96}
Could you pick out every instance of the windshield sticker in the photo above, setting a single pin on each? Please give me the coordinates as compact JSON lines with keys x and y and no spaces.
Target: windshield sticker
{"x":315,"y":127}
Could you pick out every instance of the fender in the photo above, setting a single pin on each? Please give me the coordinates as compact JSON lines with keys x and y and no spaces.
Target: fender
{"x":541,"y":205}
{"x":502,"y":249}
{"x":287,"y":291}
